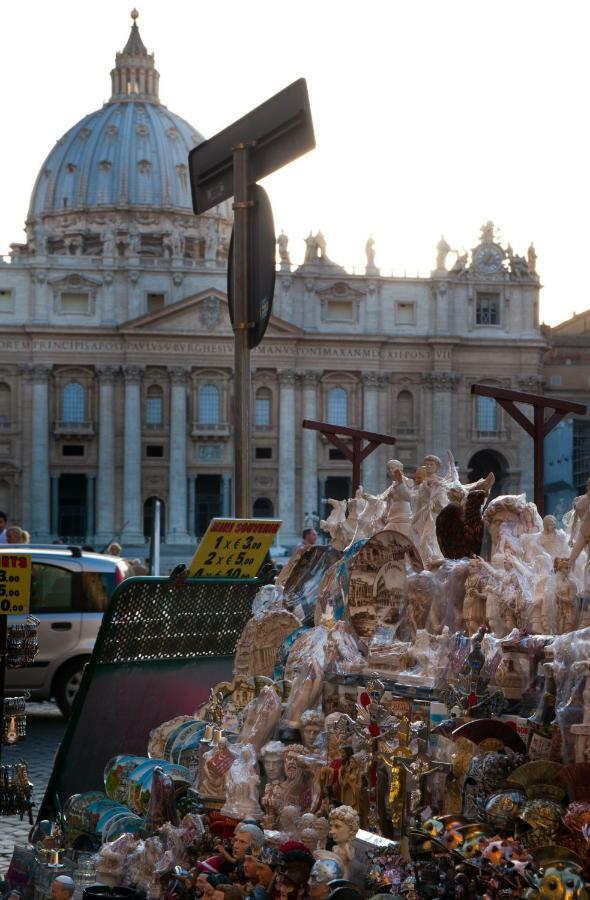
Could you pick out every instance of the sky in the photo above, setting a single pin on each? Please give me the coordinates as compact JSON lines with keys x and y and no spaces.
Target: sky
{"x":430,"y":117}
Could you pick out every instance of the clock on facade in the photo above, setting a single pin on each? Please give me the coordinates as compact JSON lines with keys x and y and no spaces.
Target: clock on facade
{"x":488,"y":258}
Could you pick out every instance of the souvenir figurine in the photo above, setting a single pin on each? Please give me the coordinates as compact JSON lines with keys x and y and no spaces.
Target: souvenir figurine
{"x":273,"y":796}
{"x":474,"y":605}
{"x":565,"y":597}
{"x":62,"y":888}
{"x":311,"y":724}
{"x":266,"y":864}
{"x":295,"y":864}
{"x":242,"y":785}
{"x":322,"y":873}
{"x":344,"y":824}
{"x":398,"y":509}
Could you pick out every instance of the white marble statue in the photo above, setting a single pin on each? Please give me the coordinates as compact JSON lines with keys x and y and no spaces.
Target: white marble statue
{"x":551,"y":540}
{"x":398,"y":500}
{"x":427,"y":501}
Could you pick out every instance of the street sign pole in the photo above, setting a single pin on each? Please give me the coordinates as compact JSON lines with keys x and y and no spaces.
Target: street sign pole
{"x":242,"y":376}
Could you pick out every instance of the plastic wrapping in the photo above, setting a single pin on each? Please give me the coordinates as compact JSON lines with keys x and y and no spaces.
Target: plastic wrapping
{"x":333,"y":646}
{"x":242,"y":785}
{"x":571,"y":654}
{"x":306,"y":691}
{"x":431,"y":654}
{"x":260,"y":718}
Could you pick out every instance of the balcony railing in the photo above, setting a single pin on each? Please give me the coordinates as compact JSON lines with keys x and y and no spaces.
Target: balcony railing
{"x":80,"y":429}
{"x":210,"y":429}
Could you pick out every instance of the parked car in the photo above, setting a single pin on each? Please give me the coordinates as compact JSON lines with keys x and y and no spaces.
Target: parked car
{"x":70,"y":590}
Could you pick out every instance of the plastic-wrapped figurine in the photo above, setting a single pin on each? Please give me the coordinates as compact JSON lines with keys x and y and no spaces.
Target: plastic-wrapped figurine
{"x":551,"y":540}
{"x":242,"y":785}
{"x":311,"y":724}
{"x":344,"y":824}
{"x":260,"y":718}
{"x":273,"y":797}
{"x":428,"y":500}
{"x":162,"y":805}
{"x":216,"y":763}
{"x":474,"y":605}
{"x":565,"y":597}
{"x":398,"y":497}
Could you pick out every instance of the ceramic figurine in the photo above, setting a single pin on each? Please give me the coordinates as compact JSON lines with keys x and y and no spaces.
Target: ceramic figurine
{"x":216,"y":763}
{"x":311,"y":724}
{"x":474,"y":605}
{"x":397,"y":515}
{"x":344,"y":824}
{"x":551,"y":540}
{"x":565,"y":597}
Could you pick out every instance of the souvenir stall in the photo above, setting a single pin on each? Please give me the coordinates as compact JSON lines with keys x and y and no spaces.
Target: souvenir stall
{"x":409,"y":716}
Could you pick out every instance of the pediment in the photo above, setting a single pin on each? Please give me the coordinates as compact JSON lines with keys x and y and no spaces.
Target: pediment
{"x":340,"y":290}
{"x":74,"y":282}
{"x":205,"y":313}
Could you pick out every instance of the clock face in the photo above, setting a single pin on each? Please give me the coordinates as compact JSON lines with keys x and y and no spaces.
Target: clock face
{"x":488,"y":259}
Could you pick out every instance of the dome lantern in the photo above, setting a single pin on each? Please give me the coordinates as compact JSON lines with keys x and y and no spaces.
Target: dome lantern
{"x":135,"y":77}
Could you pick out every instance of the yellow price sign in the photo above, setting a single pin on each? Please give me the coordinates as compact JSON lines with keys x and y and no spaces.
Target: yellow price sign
{"x":15,"y":584}
{"x":233,"y":548}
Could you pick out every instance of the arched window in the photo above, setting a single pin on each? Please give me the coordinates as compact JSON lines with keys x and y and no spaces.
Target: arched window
{"x":209,"y":405}
{"x":405,"y":412}
{"x":4,"y":404}
{"x":337,"y":406}
{"x":263,"y":508}
{"x":154,"y":406}
{"x":487,"y":414}
{"x":73,"y":403}
{"x":262,"y":408}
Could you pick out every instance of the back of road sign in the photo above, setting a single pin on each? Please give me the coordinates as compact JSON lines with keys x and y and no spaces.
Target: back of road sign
{"x":261,"y":267}
{"x":162,"y":645}
{"x":279,"y":130}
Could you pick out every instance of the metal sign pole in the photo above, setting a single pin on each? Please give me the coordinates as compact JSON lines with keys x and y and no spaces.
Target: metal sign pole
{"x":241,"y":325}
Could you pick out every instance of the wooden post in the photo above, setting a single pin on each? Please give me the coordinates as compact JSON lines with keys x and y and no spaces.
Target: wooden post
{"x":538,"y":429}
{"x":335,"y":433}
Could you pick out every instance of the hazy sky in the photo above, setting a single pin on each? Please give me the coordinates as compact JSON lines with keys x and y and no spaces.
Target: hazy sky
{"x":430,"y":117}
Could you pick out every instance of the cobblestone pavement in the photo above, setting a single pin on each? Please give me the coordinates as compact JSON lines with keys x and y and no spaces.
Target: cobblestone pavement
{"x":45,"y":729}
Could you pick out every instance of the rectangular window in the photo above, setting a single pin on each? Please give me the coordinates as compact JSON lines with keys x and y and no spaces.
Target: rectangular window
{"x":154,"y":451}
{"x":154,"y":411}
{"x":155,"y":302}
{"x":6,"y":304}
{"x":75,"y":302}
{"x":555,"y":381}
{"x":262,"y":412}
{"x":487,"y":414}
{"x":334,"y":453}
{"x":264,"y":453}
{"x":72,"y":450}
{"x":339,"y":311}
{"x":487,"y":310}
{"x":405,"y":313}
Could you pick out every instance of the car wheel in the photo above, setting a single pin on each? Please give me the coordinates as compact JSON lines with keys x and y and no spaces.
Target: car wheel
{"x":67,"y":684}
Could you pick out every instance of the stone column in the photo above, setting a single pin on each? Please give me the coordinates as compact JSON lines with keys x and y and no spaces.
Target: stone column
{"x":442,"y":385}
{"x":90,"y":503}
{"x":134,"y":304}
{"x":132,"y":505}
{"x":309,"y":447}
{"x":40,"y":529}
{"x":287,"y":479}
{"x":226,"y":497}
{"x":54,"y":523}
{"x":40,"y":306}
{"x":177,"y":508}
{"x":105,"y":496}
{"x":191,"y":485}
{"x":108,"y":300}
{"x":371,"y":470}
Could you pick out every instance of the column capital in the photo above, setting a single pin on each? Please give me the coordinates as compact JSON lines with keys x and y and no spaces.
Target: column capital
{"x":132,"y":374}
{"x":107,"y":373}
{"x":310,"y":377}
{"x":39,"y":372}
{"x":373,"y":380}
{"x":178,"y":374}
{"x":530,"y":383}
{"x":134,"y":276}
{"x":441,"y":381}
{"x":287,"y":376}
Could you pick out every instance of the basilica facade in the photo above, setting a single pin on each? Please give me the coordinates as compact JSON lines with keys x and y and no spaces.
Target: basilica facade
{"x":116,"y":350}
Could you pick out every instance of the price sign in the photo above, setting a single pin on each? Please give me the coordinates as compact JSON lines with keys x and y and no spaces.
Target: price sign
{"x":233,"y":548}
{"x":15,"y":584}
